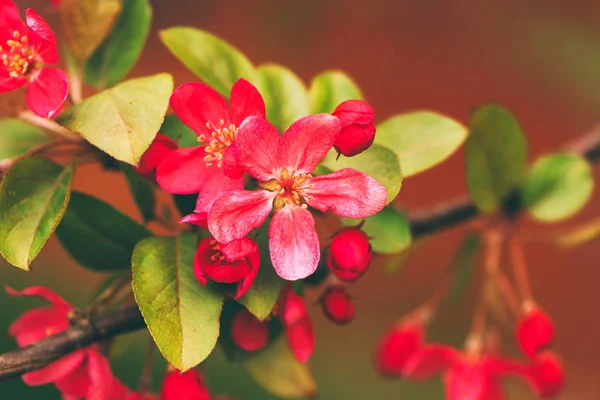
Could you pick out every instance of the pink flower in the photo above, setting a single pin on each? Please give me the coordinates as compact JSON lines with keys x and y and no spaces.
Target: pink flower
{"x":337,"y":305}
{"x":358,"y":130}
{"x":297,"y":324}
{"x":397,"y":345}
{"x":350,"y":254}
{"x":184,"y":386}
{"x":283,"y":165}
{"x":210,"y":168}
{"x":159,"y":149}
{"x":235,"y":262}
{"x":248,"y":332}
{"x":24,"y":50}
{"x":85,"y":373}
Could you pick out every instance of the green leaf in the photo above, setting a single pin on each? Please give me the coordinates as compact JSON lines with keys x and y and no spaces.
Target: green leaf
{"x":181,"y":314}
{"x":278,"y":372}
{"x":16,"y":137}
{"x":142,"y":192}
{"x":97,"y":235}
{"x":212,"y":59}
{"x":580,"y":235}
{"x":86,"y":23}
{"x":377,"y":161}
{"x":178,"y":131}
{"x":464,"y":264}
{"x":496,"y":153}
{"x":329,"y":89}
{"x":421,"y":139}
{"x":558,"y":186}
{"x":121,"y":49}
{"x":389,"y":230}
{"x":33,"y":198}
{"x":284,"y":93}
{"x":123,"y":120}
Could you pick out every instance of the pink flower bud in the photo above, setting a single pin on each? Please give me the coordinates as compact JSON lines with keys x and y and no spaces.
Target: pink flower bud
{"x":547,"y":375}
{"x":535,"y":332}
{"x":248,"y":332}
{"x":350,"y":254}
{"x":397,"y":346}
{"x":297,"y":324}
{"x":358,"y":130}
{"x":337,"y":305}
{"x":189,"y":385}
{"x":156,"y":153}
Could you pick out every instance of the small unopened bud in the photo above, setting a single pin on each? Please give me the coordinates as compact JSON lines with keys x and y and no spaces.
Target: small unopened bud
{"x":248,"y":332}
{"x":350,"y":254}
{"x":535,"y":332}
{"x":358,"y":130}
{"x":337,"y":305}
{"x":547,"y":375}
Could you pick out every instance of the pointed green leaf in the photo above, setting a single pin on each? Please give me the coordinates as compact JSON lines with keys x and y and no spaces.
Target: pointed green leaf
{"x":213,"y":60}
{"x":97,"y":235}
{"x":123,"y":120}
{"x":178,"y":131}
{"x":181,"y":314}
{"x":121,"y":49}
{"x":142,"y":192}
{"x":33,"y":198}
{"x":329,"y":89}
{"x":16,"y":137}
{"x":558,"y":186}
{"x":421,"y":139}
{"x":377,"y":161}
{"x":278,"y":372}
{"x":284,"y":93}
{"x":389,"y":230}
{"x":496,"y":153}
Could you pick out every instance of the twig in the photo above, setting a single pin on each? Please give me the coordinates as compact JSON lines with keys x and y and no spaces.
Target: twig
{"x":48,"y":125}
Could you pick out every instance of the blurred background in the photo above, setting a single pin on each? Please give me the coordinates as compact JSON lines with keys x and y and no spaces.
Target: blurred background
{"x":539,"y":58}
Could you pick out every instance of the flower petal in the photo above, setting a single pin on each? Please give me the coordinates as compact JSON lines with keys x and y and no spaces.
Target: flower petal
{"x":38,"y":324}
{"x":307,"y":141}
{"x":293,"y":243}
{"x":231,"y":168}
{"x":216,"y":184}
{"x":47,"y":90}
{"x":184,"y":171}
{"x":429,"y":361}
{"x":246,"y":102}
{"x":10,"y":21}
{"x":256,"y":148}
{"x":198,"y":219}
{"x":236,"y":212}
{"x":101,"y":377}
{"x":9,"y":83}
{"x":197,"y":104}
{"x":238,"y":249}
{"x":180,"y":386}
{"x":76,"y":383}
{"x":348,"y":193}
{"x":159,"y":149}
{"x":43,"y":293}
{"x":56,"y":370}
{"x":41,"y":37}
{"x":246,"y":283}
{"x":207,"y":265}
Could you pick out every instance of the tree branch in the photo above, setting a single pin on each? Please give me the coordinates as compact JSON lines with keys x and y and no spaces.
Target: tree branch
{"x":40,"y":354}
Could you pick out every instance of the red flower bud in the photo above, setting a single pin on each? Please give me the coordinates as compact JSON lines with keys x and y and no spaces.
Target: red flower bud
{"x":299,"y":332}
{"x":397,"y":345}
{"x":186,"y":386}
{"x":350,"y":254}
{"x":535,"y":332}
{"x":156,"y":153}
{"x":337,"y":305}
{"x":547,"y":375}
{"x":248,"y":332}
{"x":358,"y":130}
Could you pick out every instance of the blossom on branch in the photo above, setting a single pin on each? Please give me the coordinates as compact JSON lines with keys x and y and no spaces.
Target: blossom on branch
{"x":358,"y":129}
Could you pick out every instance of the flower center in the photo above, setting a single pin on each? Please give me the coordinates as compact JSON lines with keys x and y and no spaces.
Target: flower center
{"x":218,"y":255}
{"x":18,"y":57}
{"x":217,"y":142}
{"x":291,"y":187}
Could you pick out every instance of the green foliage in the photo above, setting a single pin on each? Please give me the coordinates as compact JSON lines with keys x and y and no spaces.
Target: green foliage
{"x":329,"y":89}
{"x":558,"y":186}
{"x":284,"y":93}
{"x":178,"y":131}
{"x":97,"y":235}
{"x":580,"y":235}
{"x":33,"y":197}
{"x":377,"y":161}
{"x":123,"y":120}
{"x":278,"y":372}
{"x":181,"y":314}
{"x":389,"y":230}
{"x":464,"y":264}
{"x":142,"y":192}
{"x":496,"y":153}
{"x":210,"y":58}
{"x":119,"y":52}
{"x":16,"y":137}
{"x":421,"y":139}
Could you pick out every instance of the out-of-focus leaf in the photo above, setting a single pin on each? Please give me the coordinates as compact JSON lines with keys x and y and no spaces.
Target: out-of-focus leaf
{"x":558,"y":186}
{"x":97,"y":235}
{"x":389,"y":230}
{"x":329,"y":89}
{"x":86,"y":23}
{"x":582,"y":234}
{"x":142,"y":192}
{"x":123,"y":120}
{"x":284,"y":93}
{"x":181,"y":314}
{"x":178,"y":131}
{"x":16,"y":137}
{"x":464,"y":264}
{"x":119,"y":52}
{"x":212,"y":59}
{"x":496,"y":153}
{"x":421,"y":139}
{"x":33,"y":198}
{"x":377,"y":161}
{"x":278,"y":372}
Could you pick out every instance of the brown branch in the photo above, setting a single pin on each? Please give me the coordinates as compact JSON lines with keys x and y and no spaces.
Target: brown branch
{"x":40,"y":354}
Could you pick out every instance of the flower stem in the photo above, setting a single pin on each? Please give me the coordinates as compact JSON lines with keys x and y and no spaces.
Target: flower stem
{"x":48,"y":125}
{"x":517,"y":260}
